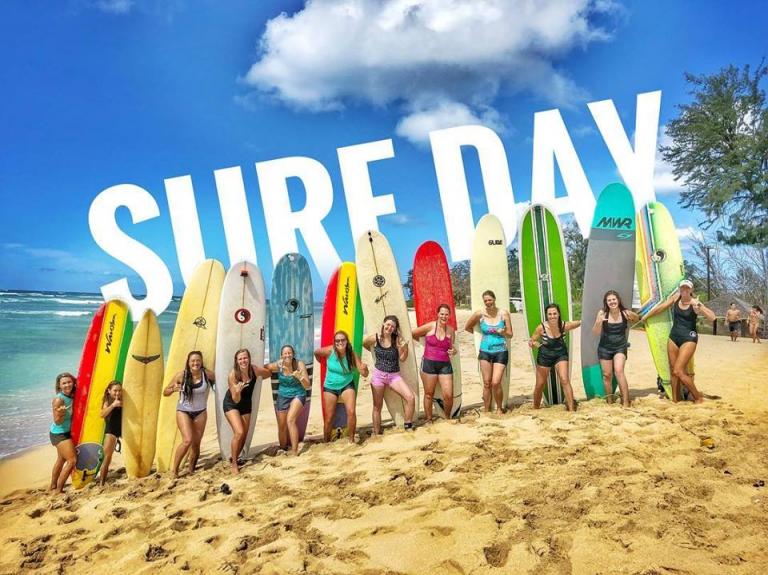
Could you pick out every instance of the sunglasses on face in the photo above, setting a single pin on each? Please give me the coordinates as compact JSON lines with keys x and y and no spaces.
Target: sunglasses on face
{"x":340,"y":341}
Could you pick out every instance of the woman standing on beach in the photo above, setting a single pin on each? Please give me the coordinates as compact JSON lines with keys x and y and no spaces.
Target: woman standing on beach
{"x":549,"y":337}
{"x":193,"y":385}
{"x":755,"y":315}
{"x":683,"y":337}
{"x":436,"y":367}
{"x":496,"y":327}
{"x":612,"y":325}
{"x":341,"y":364}
{"x":112,"y":412}
{"x":389,"y":349}
{"x":60,"y":433}
{"x":238,"y":403}
{"x":291,"y":395}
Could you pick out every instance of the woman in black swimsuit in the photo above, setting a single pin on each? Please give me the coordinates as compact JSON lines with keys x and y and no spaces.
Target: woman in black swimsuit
{"x":683,"y":337}
{"x":112,"y":412}
{"x":238,"y":402}
{"x":549,"y":337}
{"x":611,"y":324}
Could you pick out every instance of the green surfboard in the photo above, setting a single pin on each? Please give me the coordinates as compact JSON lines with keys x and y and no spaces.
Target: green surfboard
{"x":544,"y":279}
{"x":610,"y":265}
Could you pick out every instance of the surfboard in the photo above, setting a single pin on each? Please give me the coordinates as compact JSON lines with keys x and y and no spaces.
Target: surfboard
{"x":107,"y":365}
{"x":292,"y":321}
{"x":142,"y":388}
{"x":489,"y":270}
{"x":544,"y":279}
{"x":610,"y":264}
{"x":659,"y":268}
{"x":85,"y":372}
{"x":431,"y":288}
{"x":195,"y":330}
{"x":242,"y":315}
{"x":381,"y":294}
{"x":342,"y":310}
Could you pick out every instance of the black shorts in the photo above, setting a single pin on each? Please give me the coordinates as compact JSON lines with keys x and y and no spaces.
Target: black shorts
{"x":733,"y":325}
{"x":244,"y":407}
{"x":57,"y":438}
{"x":608,"y":354}
{"x":550,"y":358}
{"x":338,"y":392}
{"x":283,"y":403}
{"x":501,"y":357}
{"x":432,"y":367}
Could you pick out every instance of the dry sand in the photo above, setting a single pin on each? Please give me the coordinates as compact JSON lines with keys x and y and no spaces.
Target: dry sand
{"x":604,"y":490}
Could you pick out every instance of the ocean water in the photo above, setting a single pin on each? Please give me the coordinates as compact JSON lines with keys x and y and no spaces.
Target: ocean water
{"x":41,"y":335}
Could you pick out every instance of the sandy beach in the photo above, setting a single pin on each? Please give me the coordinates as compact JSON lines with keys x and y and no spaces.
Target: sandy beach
{"x":603,"y":490}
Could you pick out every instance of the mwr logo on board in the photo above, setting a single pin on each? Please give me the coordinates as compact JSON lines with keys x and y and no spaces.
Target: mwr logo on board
{"x":606,"y":222}
{"x":242,"y":315}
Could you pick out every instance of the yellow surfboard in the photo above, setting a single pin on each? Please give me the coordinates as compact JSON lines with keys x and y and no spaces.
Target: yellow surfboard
{"x":109,"y":364}
{"x":142,"y":388}
{"x":195,"y":330}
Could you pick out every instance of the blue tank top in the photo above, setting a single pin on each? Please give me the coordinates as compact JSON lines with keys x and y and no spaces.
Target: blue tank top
{"x":492,"y":342}
{"x":288,"y":385}
{"x":66,"y":425}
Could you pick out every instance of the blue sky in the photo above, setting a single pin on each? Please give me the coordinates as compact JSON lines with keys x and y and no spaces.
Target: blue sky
{"x":100,"y":93}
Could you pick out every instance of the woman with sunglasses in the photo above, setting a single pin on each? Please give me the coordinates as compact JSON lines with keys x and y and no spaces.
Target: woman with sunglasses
{"x":341,"y":364}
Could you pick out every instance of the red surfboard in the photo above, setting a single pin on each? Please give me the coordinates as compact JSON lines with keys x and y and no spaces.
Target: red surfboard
{"x":432,"y":287}
{"x":328,"y":325}
{"x":85,"y":372}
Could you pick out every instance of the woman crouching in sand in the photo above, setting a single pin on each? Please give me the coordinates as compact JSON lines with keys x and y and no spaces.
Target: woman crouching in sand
{"x":293,"y":384}
{"x":683,"y":337}
{"x":341,"y":365}
{"x":611,"y":324}
{"x":389,"y":350}
{"x":549,"y":337}
{"x":61,"y":431}
{"x":238,"y":401}
{"x":193,"y":385}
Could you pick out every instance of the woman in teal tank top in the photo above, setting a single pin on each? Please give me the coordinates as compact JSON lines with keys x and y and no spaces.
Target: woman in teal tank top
{"x":61,"y":431}
{"x":340,"y":382}
{"x":291,"y":395}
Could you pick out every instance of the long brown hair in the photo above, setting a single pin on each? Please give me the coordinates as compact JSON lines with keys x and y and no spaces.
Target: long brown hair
{"x":618,"y":297}
{"x":294,"y":361}
{"x":251,"y":373}
{"x":349,"y":353}
{"x":186,"y":388}
{"x":62,"y":376}
{"x":395,"y":333}
{"x":560,"y":322}
{"x":107,"y":397}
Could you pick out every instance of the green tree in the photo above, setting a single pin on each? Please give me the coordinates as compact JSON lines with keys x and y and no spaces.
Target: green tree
{"x":719,"y":151}
{"x":576,"y":249}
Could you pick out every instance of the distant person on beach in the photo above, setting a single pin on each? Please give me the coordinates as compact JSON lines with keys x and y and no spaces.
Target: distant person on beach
{"x":496,"y":327}
{"x":612,"y":325}
{"x":549,"y":338}
{"x":733,"y":317}
{"x":755,"y":315}
{"x":193,"y":385}
{"x":112,"y":412}
{"x":389,"y":349}
{"x":60,"y":432}
{"x":341,"y":365}
{"x":683,"y":337}
{"x":293,"y":384}
{"x":238,"y":403}
{"x":439,"y":348}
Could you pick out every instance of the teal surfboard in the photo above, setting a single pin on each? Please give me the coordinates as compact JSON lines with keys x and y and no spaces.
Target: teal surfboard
{"x":544,"y":279}
{"x":610,"y":265}
{"x":291,"y":320}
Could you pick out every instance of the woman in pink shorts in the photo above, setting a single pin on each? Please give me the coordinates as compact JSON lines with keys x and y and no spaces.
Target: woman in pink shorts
{"x":389,"y":349}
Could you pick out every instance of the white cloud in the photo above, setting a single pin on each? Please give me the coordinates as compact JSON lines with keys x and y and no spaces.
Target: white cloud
{"x":689,"y":233}
{"x":663,"y":180}
{"x":417,"y":126}
{"x":437,"y":60}
{"x":401,"y":219}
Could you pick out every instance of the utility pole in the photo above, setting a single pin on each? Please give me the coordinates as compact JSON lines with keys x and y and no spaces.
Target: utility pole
{"x":709,"y":290}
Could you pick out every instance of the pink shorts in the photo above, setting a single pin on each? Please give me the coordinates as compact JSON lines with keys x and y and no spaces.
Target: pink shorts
{"x":383,"y":378}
